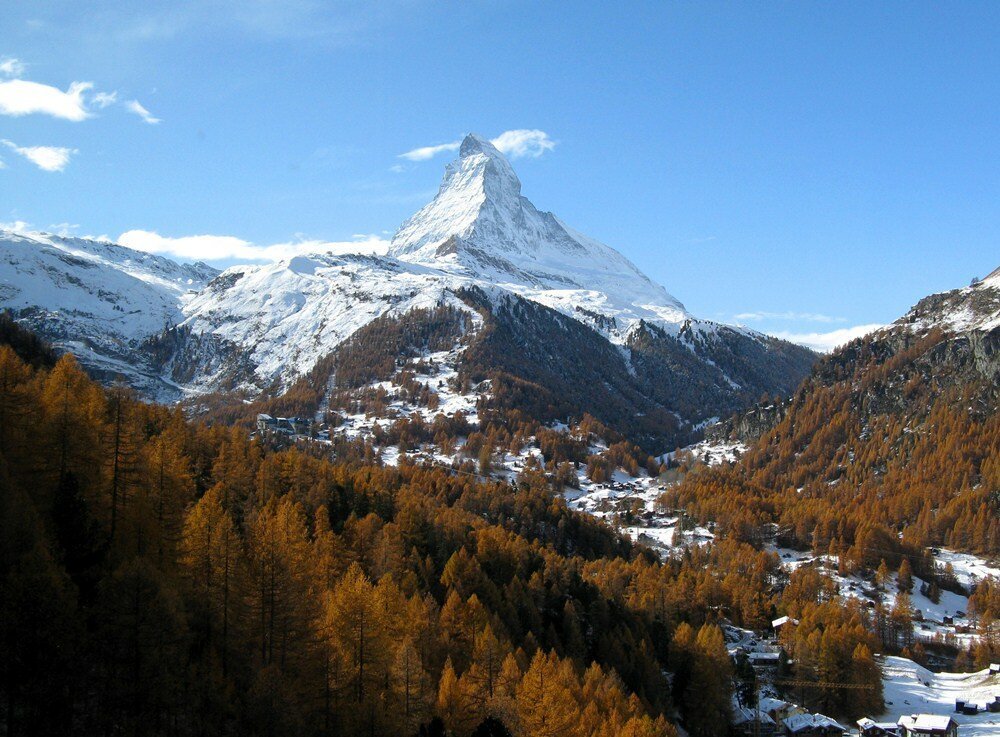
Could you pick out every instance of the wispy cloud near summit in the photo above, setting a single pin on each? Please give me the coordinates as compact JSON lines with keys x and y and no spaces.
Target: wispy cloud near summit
{"x":518,"y":143}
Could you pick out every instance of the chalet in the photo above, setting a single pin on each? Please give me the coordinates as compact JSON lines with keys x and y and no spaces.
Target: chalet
{"x":778,"y":709}
{"x":813,"y":725}
{"x":927,"y":725}
{"x":870,"y":728}
{"x":968,"y":708}
{"x":266,"y":422}
{"x":749,"y":722}
{"x":297,"y":425}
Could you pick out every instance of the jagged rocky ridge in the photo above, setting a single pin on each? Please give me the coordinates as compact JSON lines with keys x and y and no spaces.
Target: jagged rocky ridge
{"x":557,"y":321}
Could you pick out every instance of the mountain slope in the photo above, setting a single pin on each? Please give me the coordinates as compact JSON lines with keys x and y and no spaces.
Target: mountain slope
{"x":95,"y":298}
{"x":896,"y":433}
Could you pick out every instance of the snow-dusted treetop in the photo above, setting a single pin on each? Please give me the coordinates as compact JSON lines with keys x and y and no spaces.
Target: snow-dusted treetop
{"x":480,"y":226}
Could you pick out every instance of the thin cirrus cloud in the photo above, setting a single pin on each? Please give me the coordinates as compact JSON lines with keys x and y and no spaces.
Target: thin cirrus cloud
{"x":10,"y":67}
{"x":134,"y":106}
{"x":46,"y":158}
{"x":230,"y":248}
{"x":104,"y":99}
{"x":829,"y":341}
{"x":515,"y":143}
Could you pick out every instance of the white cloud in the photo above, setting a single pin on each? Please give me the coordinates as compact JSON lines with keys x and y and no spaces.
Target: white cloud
{"x":227,"y":247}
{"x":524,"y":142}
{"x":826,"y":342}
{"x":800,"y":316}
{"x":21,"y":97}
{"x":515,"y":143}
{"x":428,"y":152}
{"x":134,"y":106}
{"x":11,"y":67}
{"x":47,"y":158}
{"x":104,"y":99}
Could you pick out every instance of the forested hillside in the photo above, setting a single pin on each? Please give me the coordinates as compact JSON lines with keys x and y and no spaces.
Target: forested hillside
{"x":161,"y":577}
{"x":890,"y":448}
{"x":893,"y":445}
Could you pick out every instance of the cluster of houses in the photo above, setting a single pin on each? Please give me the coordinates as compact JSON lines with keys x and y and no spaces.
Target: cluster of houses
{"x":290,"y":427}
{"x":914,"y":725}
{"x":773,"y":717}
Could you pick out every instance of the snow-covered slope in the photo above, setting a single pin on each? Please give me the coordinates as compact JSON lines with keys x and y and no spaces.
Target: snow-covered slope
{"x":98,"y":299}
{"x":289,"y":314}
{"x":975,"y":308}
{"x":481,"y":227}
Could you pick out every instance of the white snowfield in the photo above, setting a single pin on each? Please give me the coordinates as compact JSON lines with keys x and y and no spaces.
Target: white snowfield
{"x":112,"y":294}
{"x":478,"y":231}
{"x":910,"y":689}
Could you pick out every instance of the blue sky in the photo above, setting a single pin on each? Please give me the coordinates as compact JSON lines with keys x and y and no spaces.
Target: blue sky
{"x":797,"y":167}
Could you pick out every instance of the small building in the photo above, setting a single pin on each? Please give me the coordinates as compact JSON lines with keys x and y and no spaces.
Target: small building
{"x":778,"y":709}
{"x":299,"y":425}
{"x":927,"y":725}
{"x":813,"y":725}
{"x":780,"y":622}
{"x":748,"y":722}
{"x":870,"y":728}
{"x":266,"y":422}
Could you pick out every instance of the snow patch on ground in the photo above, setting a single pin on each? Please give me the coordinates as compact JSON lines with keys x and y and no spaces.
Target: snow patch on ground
{"x":911,"y":689}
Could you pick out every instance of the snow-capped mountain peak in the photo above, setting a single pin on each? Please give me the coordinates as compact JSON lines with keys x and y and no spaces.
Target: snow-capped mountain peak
{"x":479,"y":226}
{"x":479,"y":184}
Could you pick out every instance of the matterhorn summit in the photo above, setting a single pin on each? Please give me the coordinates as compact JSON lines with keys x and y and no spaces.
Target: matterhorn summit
{"x":480,"y":226}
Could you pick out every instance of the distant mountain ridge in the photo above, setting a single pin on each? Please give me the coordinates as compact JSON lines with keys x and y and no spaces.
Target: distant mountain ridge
{"x":97,"y":299}
{"x":177,"y":330}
